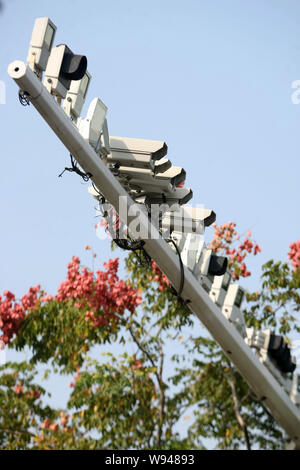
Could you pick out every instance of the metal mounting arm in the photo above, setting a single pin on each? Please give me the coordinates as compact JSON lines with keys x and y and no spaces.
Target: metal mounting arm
{"x":258,"y":377}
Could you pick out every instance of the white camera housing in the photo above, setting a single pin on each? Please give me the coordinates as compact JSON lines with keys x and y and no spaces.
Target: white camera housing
{"x":202,"y":267}
{"x":51,"y":80}
{"x":62,"y":68}
{"x":193,"y":249}
{"x":94,"y":125}
{"x":174,"y":196}
{"x":231,"y":308}
{"x":188,"y":219}
{"x":207,"y":265}
{"x":196,"y":257}
{"x":137,"y":153}
{"x":76,"y":95}
{"x":162,"y":165}
{"x":144,"y":179}
{"x":219,"y":288}
{"x":154,"y":187}
{"x":41,"y":43}
{"x":259,"y":339}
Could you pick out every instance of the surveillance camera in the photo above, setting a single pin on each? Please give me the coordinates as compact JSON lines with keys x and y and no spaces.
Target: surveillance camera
{"x":231,"y":308}
{"x":40,"y":44}
{"x":161,"y":165}
{"x":219,"y":288}
{"x":128,"y":159}
{"x":76,"y":95}
{"x":211,"y":265}
{"x":137,"y":153}
{"x":201,"y":261}
{"x":275,"y":354}
{"x":217,"y":265}
{"x":146,"y":180}
{"x":175,"y":174}
{"x":93,"y":125}
{"x":187,"y":218}
{"x":184,"y":219}
{"x":153,"y":186}
{"x":62,"y":68}
{"x":155,"y":148}
{"x":200,"y":214}
{"x":279,"y":351}
{"x":201,"y":267}
{"x":193,"y":249}
{"x":177,"y":195}
{"x":257,"y":339}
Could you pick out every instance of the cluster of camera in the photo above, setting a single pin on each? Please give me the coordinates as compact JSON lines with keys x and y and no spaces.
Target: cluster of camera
{"x":275,"y":354}
{"x":150,"y":178}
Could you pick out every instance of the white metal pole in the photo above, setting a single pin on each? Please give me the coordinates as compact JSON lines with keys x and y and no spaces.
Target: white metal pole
{"x":258,"y":377}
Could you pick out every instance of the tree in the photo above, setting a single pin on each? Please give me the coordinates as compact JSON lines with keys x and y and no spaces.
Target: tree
{"x":137,"y":399}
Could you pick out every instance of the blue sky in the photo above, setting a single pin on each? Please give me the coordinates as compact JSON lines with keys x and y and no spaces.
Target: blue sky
{"x":211,"y":78}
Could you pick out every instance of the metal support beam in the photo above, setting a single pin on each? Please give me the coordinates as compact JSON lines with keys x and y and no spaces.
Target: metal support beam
{"x":258,"y":377}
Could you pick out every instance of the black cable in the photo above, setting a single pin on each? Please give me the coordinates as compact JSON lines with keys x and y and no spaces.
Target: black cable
{"x":98,"y":192}
{"x":74,"y":168}
{"x":128,"y":243}
{"x":123,"y":243}
{"x":137,"y":245}
{"x":181,"y":285}
{"x":23,"y":98}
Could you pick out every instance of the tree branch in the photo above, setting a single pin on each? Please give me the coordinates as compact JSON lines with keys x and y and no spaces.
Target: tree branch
{"x":144,"y":350}
{"x":237,"y":406}
{"x":18,"y":431}
{"x":158,"y":374}
{"x":162,"y":397}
